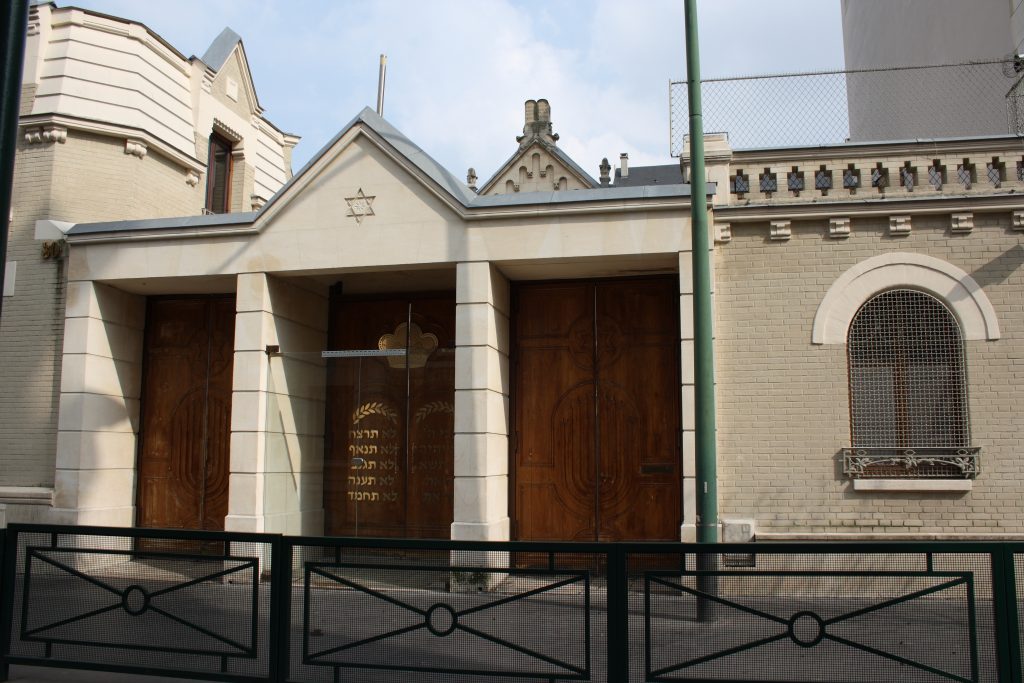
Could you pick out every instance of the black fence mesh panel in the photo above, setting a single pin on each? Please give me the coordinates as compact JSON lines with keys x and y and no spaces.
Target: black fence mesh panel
{"x":177,"y":606}
{"x":200,"y":605}
{"x":362,"y":615}
{"x":815,"y":617}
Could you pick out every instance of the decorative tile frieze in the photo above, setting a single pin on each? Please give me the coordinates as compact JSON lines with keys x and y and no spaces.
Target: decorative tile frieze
{"x":137,"y":148}
{"x":1018,"y":220}
{"x":781,"y":230}
{"x":723,"y":232}
{"x":839,"y":227}
{"x":962,"y":222}
{"x":899,"y":225}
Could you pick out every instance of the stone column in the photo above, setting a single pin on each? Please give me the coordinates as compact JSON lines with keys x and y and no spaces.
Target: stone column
{"x":253,"y":333}
{"x":481,"y":403}
{"x":277,"y":408}
{"x":98,"y":422}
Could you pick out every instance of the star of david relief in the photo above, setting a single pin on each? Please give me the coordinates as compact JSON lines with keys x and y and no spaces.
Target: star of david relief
{"x":360,"y":206}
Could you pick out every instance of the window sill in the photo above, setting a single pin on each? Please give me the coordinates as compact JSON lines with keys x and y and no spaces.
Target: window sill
{"x":909,"y":485}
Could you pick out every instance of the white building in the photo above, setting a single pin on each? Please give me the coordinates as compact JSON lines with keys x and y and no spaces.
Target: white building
{"x":115,"y":124}
{"x":938,"y":101}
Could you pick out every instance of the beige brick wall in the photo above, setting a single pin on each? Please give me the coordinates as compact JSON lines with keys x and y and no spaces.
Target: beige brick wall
{"x":784,"y":405}
{"x":31,"y":332}
{"x":86,"y":178}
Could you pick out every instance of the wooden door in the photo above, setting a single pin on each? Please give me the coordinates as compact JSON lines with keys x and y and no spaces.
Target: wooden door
{"x":597,"y":411}
{"x":186,"y":413}
{"x":390,"y":423}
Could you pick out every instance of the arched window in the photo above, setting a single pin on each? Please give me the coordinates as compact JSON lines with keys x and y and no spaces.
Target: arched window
{"x":908,"y":388}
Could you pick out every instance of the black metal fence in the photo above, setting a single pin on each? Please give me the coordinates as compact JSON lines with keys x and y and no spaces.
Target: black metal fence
{"x":258,"y":607}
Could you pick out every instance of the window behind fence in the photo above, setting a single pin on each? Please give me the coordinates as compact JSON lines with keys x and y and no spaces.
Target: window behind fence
{"x":907,"y":377}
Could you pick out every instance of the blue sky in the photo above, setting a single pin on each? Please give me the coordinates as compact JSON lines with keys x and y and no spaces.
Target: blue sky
{"x":459,"y":71}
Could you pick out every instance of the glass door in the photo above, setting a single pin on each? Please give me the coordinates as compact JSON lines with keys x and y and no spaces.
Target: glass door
{"x":389,"y":456}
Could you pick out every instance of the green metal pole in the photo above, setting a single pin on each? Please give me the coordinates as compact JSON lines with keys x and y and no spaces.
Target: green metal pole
{"x":13,"y":23}
{"x":704,"y":361}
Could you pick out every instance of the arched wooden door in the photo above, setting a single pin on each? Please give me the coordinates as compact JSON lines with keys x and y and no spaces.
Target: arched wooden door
{"x":183,"y":463}
{"x":597,"y":414}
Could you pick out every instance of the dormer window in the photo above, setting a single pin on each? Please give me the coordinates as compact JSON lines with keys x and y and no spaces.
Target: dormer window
{"x":218,"y":181}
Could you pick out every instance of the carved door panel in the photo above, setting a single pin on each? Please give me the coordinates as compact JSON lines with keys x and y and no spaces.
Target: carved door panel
{"x":556,"y":456}
{"x":638,"y":408}
{"x":390,"y":418}
{"x":186,"y":413}
{"x":597,"y":411}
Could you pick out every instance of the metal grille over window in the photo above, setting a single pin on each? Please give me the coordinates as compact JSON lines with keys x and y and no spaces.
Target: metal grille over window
{"x":740,"y":183}
{"x":879,"y":177}
{"x":795,"y":180}
{"x":769,"y":183}
{"x":936,"y":174}
{"x":994,"y":171}
{"x":851,"y":179}
{"x":823,"y":179}
{"x":908,"y":394}
{"x":964,"y":174}
{"x":907,"y":174}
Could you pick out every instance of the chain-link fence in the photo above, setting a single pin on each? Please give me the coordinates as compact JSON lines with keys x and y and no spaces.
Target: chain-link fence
{"x":828,"y":107}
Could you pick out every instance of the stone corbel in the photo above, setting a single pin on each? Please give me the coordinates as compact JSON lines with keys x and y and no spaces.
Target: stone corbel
{"x":781,"y":230}
{"x":1018,"y":220}
{"x":46,"y":134}
{"x":192,"y":178}
{"x":839,"y":228}
{"x":55,"y":134}
{"x":723,"y":233}
{"x":962,"y":223}
{"x":899,"y":225}
{"x":257,"y":202}
{"x":137,"y":148}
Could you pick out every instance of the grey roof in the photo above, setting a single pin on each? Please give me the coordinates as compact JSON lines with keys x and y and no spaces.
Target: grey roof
{"x":457,"y":189}
{"x":164,"y":223}
{"x":667,"y":174}
{"x":220,"y":49}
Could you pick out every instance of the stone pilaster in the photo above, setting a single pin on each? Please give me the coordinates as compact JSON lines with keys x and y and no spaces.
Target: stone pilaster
{"x":481,"y":403}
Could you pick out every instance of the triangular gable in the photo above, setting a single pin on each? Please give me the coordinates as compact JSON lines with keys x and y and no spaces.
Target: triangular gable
{"x":538,"y":168}
{"x":394,"y":144}
{"x":225,"y":46}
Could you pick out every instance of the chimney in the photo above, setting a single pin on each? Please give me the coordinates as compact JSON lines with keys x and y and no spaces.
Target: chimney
{"x":605,"y":171}
{"x":536,"y":124}
{"x":543,"y":111}
{"x":624,"y":165}
{"x":531,"y":111}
